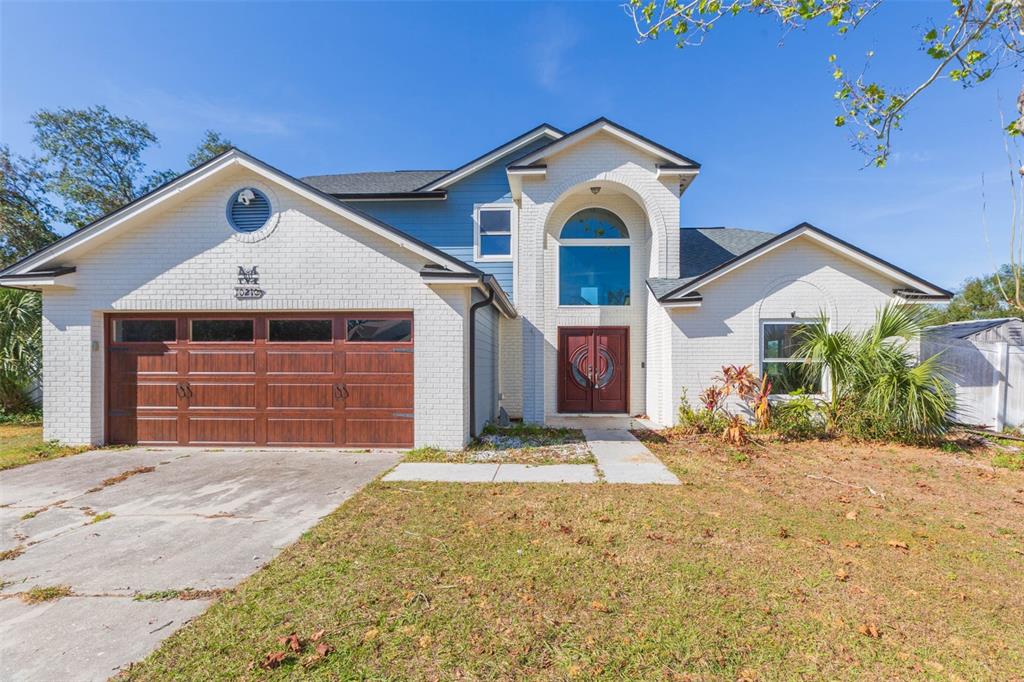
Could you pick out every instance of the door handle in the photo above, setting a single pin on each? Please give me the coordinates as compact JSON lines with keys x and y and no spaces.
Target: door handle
{"x":188,"y":389}
{"x":180,"y":390}
{"x":340,"y":391}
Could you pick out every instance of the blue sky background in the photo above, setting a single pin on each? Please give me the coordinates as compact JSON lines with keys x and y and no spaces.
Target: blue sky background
{"x":318,"y":88}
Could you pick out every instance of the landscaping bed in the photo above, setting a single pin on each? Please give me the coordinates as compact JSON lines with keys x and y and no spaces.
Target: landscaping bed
{"x":518,"y":443}
{"x":803,"y":560}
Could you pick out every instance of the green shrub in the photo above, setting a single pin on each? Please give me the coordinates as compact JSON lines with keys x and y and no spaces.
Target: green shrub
{"x":800,"y":417}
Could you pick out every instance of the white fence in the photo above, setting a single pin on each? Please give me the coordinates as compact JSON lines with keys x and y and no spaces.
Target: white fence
{"x":989,"y":380}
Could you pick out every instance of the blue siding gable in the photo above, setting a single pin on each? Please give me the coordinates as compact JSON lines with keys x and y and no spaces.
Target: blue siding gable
{"x":448,"y":224}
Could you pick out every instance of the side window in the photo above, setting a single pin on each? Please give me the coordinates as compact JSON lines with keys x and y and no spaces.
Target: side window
{"x":386,"y":330}
{"x":222,"y":331}
{"x":299,"y":331}
{"x":788,"y":374}
{"x":492,"y":227}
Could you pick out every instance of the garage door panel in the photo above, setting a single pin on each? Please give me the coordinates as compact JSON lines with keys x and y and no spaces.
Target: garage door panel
{"x":378,"y":432}
{"x":135,"y":363}
{"x":283,"y":431}
{"x":298,"y":362}
{"x":222,"y":362}
{"x":222,"y":430}
{"x":379,"y":396}
{"x":377,"y":362}
{"x":222,"y":396}
{"x":300,"y":396}
{"x":304,"y":387}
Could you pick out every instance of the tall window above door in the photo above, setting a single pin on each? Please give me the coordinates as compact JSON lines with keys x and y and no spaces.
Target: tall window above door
{"x":593,"y":259}
{"x":492,"y":228}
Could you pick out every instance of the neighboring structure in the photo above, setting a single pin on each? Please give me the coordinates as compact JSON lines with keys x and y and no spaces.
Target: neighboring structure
{"x":239,"y":305}
{"x":984,"y":359}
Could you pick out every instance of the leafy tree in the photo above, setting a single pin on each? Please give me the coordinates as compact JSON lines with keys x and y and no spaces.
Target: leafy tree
{"x":96,"y":159}
{"x":25,"y":208}
{"x":212,"y":144}
{"x":877,"y":388}
{"x":982,"y":298}
{"x":966,"y":45}
{"x":21,"y":347}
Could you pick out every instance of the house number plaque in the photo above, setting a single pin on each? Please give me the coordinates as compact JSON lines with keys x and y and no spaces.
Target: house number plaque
{"x":248,"y":281}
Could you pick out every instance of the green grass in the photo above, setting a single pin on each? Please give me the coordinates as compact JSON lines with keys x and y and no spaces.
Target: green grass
{"x":1009,"y":460}
{"x":102,"y":516}
{"x":22,"y":444}
{"x":616,"y":582}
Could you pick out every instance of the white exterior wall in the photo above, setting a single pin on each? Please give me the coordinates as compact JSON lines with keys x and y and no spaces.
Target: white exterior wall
{"x":645,"y":203}
{"x":797,"y":280}
{"x":185,"y":257}
{"x":510,"y":367}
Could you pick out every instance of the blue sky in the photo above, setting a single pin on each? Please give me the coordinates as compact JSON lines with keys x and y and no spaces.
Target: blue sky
{"x":333,"y":87}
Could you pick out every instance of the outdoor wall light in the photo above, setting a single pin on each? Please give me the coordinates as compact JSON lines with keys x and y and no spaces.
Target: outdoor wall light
{"x":595,"y":190}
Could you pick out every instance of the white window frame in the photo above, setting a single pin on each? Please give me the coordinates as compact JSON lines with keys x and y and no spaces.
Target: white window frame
{"x":616,"y":241}
{"x":761,"y":359}
{"x":512,"y":220}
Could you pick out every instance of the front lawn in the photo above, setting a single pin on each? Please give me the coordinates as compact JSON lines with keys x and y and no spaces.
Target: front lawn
{"x":517,"y":443}
{"x":23,"y":444}
{"x":810,"y":560}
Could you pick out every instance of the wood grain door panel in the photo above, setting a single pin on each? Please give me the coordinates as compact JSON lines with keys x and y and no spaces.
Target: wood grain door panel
{"x":316,"y":393}
{"x":593,"y":369}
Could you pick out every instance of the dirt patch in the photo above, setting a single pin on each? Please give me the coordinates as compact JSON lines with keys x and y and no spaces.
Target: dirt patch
{"x":121,"y":477}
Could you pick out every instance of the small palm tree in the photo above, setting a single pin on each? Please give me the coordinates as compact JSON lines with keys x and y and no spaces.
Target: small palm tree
{"x":21,"y":347}
{"x":877,"y":387}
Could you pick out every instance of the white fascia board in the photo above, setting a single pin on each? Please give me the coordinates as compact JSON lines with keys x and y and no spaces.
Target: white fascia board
{"x":597,"y":127}
{"x":38,"y":284}
{"x":680,"y":304}
{"x":492,"y":157}
{"x":824,"y":240}
{"x":676,"y":172}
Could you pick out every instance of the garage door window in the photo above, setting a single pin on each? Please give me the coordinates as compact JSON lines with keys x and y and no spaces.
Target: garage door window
{"x":224,"y":331}
{"x":299,"y":331}
{"x":144,"y":331}
{"x":386,"y":331}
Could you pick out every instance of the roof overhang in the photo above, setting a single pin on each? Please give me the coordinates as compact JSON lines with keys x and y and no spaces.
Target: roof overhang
{"x":484,"y":283}
{"x":109,"y":225}
{"x":39,"y":280}
{"x":666,"y":156}
{"x":439,"y":195}
{"x":529,"y":137}
{"x":923,"y":290}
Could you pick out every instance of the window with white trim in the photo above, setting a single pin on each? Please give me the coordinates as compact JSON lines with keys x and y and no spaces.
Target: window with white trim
{"x":492,"y":228}
{"x":787,"y":373}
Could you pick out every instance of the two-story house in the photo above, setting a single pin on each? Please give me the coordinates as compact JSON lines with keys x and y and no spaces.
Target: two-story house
{"x":238,"y":305}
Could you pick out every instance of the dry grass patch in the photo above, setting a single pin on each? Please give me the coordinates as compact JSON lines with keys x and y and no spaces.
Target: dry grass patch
{"x":22,"y":444}
{"x":518,"y":443}
{"x":751,"y":569}
{"x":40,"y":594}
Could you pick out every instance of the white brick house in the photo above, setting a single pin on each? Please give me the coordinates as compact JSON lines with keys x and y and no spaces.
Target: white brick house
{"x":238,"y":305}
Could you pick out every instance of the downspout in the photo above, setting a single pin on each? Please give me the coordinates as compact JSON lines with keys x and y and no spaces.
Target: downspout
{"x":472,"y":357}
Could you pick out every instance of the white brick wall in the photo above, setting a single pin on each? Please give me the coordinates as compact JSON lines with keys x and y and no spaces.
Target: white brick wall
{"x":185,"y":257}
{"x":798,"y":280}
{"x":650,"y":208}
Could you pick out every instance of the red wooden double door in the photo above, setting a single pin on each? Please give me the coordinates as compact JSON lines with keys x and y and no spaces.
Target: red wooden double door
{"x":300,"y":379}
{"x":593,"y":369}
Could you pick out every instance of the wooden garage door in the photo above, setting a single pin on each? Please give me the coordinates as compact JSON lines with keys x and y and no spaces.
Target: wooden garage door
{"x":299,"y":379}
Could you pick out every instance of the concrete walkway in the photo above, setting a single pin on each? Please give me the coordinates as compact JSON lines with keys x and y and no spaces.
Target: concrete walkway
{"x":621,"y":458}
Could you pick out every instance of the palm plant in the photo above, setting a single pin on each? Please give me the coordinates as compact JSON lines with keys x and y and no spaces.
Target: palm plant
{"x":877,"y":388}
{"x":21,"y":347}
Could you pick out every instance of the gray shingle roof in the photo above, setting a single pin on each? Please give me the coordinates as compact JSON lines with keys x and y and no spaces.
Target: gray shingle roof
{"x":377,"y":182}
{"x":965,"y":329}
{"x":704,"y":248}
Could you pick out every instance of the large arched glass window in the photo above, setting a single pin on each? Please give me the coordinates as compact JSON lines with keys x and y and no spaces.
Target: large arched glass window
{"x":593,"y":259}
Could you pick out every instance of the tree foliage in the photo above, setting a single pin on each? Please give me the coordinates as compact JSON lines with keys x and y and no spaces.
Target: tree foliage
{"x":982,"y":298}
{"x":21,"y":347}
{"x":25,"y":209}
{"x":95,"y":159}
{"x":966,"y":45}
{"x":212,"y":144}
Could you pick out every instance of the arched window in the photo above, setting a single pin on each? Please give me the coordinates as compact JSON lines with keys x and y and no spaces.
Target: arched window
{"x":593,"y":259}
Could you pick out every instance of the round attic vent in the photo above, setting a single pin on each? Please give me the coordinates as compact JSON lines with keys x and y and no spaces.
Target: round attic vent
{"x":248,"y":210}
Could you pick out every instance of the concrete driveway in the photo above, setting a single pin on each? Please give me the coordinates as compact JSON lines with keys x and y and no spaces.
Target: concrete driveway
{"x":200,"y":519}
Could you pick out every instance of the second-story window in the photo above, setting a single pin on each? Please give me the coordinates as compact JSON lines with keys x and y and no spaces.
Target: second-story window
{"x":493,"y":232}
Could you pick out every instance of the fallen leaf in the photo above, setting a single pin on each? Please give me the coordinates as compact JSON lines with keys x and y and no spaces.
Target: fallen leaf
{"x":316,"y":636}
{"x":783,"y":533}
{"x":273,"y":660}
{"x":853,"y":544}
{"x":323,"y":648}
{"x":842,"y":576}
{"x":370,"y":634}
{"x":898,"y":544}
{"x":851,"y":515}
{"x":869,"y":630}
{"x":291,"y":641}
{"x":599,"y":606}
